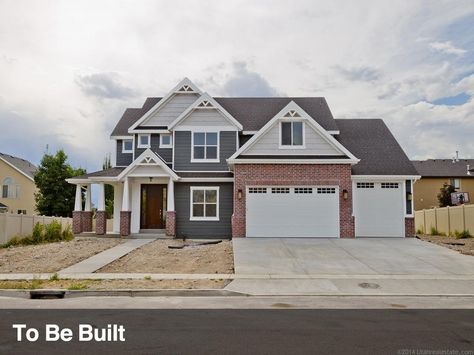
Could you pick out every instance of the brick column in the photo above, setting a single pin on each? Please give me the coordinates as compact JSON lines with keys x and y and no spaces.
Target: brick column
{"x":238,"y":226}
{"x":171,"y":223}
{"x":77,"y":222}
{"x":100,"y":222}
{"x":125,"y":222}
{"x":409,"y":226}
{"x":86,"y":221}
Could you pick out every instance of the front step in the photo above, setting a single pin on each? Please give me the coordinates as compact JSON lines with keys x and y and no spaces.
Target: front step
{"x":152,"y":231}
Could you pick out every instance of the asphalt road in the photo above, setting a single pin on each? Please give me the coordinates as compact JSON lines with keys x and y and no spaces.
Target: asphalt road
{"x":244,"y":331}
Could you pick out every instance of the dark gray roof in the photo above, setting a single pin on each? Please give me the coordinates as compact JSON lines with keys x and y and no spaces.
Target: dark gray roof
{"x":444,"y":167}
{"x":371,"y":141}
{"x":252,"y":112}
{"x":21,"y":164}
{"x":112,"y":172}
{"x":2,"y":206}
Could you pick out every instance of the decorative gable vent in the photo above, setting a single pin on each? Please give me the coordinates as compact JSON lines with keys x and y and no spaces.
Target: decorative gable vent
{"x":186,"y":88}
{"x":292,"y":113}
{"x":205,"y":104}
{"x":147,"y":161}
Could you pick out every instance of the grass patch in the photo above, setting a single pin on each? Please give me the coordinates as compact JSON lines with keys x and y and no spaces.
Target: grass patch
{"x":462,"y":235}
{"x":74,"y":286}
{"x":54,"y":277}
{"x":147,"y":277}
{"x":41,"y":234}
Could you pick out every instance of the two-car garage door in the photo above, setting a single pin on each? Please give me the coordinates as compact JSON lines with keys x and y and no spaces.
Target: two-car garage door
{"x":292,"y":211}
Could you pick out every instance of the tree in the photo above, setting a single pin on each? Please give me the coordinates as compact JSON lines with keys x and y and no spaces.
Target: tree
{"x":444,"y":196}
{"x":109,"y":190}
{"x":55,"y":196}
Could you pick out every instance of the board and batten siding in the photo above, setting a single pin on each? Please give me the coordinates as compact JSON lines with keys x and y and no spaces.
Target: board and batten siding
{"x":182,"y":156}
{"x":268,"y":144}
{"x":122,"y":159}
{"x":170,"y":110}
{"x":206,"y":118}
{"x":203,"y":229}
{"x":165,"y":153}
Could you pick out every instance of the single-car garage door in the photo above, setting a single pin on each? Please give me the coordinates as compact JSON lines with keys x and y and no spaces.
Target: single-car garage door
{"x":378,"y":209}
{"x":289,"y":211}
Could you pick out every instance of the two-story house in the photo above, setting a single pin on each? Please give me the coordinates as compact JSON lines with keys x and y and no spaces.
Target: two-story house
{"x":214,"y":167}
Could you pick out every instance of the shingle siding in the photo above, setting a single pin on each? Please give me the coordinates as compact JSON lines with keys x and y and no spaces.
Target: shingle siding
{"x":166,"y":154}
{"x":227,"y":141}
{"x":123,"y":159}
{"x":203,"y":229}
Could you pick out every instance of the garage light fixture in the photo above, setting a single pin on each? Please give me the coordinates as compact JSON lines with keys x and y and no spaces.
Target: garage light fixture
{"x":239,"y":194}
{"x":409,"y":196}
{"x":345,"y":194}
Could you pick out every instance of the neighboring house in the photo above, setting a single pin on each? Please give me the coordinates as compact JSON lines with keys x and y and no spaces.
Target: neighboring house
{"x":214,"y":167}
{"x":437,"y":172}
{"x":17,"y":185}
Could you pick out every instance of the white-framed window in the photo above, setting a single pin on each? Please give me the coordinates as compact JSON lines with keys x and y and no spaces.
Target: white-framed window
{"x":280,"y":190}
{"x":166,"y":141}
{"x":303,"y":190}
{"x":257,"y":190}
{"x":291,"y":134}
{"x":326,"y":190}
{"x":456,"y":183}
{"x":9,"y":189}
{"x":143,"y":141}
{"x":389,"y":185}
{"x":204,"y":203}
{"x":205,"y":147}
{"x":365,"y":185}
{"x":127,"y":146}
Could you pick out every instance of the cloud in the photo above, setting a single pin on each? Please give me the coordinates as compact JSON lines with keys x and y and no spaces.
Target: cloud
{"x":104,"y":86}
{"x":247,"y":83}
{"x":359,"y":74}
{"x":447,"y":47}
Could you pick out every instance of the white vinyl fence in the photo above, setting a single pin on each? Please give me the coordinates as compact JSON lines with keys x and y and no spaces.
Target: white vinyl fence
{"x":19,"y":224}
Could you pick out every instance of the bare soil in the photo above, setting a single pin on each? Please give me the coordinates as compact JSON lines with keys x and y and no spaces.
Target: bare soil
{"x":156,"y":257}
{"x":113,"y":284}
{"x":52,"y":257}
{"x":464,"y":246}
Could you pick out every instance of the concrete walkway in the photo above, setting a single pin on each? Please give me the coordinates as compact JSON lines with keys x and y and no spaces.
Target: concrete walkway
{"x":99,"y":260}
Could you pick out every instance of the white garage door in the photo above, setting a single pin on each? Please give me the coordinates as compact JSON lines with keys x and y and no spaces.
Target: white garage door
{"x":378,"y":209}
{"x":309,"y":211}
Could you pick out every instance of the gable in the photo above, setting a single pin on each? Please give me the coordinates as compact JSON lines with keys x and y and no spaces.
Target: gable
{"x":314,"y":143}
{"x":170,"y":110}
{"x":205,"y":117}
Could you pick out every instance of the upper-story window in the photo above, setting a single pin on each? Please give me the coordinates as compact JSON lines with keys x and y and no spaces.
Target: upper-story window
{"x":127,"y":146}
{"x":143,"y":141}
{"x":456,"y":183}
{"x":291,"y":135}
{"x":9,"y":189}
{"x":166,"y":141}
{"x":205,"y":146}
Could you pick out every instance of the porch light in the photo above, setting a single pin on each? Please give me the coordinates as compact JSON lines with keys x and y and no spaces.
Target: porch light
{"x":151,"y":179}
{"x":239,"y":194}
{"x":409,"y":196}
{"x":345,"y":194}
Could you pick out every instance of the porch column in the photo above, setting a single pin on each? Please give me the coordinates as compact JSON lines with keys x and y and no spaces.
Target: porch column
{"x":87,"y":213}
{"x":118,"y":196}
{"x":170,"y":212}
{"x":77,"y":213}
{"x":100,"y":217}
{"x":125,"y":213}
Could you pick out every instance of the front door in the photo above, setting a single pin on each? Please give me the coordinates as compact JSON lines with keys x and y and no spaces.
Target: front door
{"x":153,"y":206}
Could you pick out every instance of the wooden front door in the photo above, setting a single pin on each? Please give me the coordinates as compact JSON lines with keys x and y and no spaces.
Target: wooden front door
{"x":153,"y":206}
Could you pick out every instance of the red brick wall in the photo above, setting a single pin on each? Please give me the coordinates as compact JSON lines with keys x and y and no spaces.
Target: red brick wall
{"x":409,"y":226}
{"x":86,"y":221}
{"x":293,"y":174}
{"x":125,"y":222}
{"x":100,"y":222}
{"x":171,"y":223}
{"x":77,"y":222}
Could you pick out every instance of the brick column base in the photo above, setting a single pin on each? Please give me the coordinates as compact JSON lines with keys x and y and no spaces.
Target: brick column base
{"x":171,"y":223}
{"x":238,"y":227}
{"x":409,"y":227}
{"x":87,"y":221}
{"x":125,"y":223}
{"x":77,"y":222}
{"x":100,"y":223}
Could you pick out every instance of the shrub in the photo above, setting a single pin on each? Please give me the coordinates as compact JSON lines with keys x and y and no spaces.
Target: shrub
{"x":67,"y":234}
{"x":42,"y":234}
{"x":37,"y":236}
{"x":434,"y":231}
{"x":54,"y":277}
{"x":462,"y":235}
{"x":52,"y":232}
{"x":419,"y":231}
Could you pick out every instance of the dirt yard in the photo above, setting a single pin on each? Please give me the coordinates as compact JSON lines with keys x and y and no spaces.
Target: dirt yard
{"x":113,"y":284}
{"x":156,"y":257}
{"x":51,"y":257}
{"x":464,"y":246}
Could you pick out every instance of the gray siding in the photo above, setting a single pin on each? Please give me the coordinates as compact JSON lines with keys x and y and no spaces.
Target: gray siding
{"x":122,"y":159}
{"x":203,"y":229}
{"x":166,"y":154}
{"x":171,"y":110}
{"x":206,"y":117}
{"x":227,"y":141}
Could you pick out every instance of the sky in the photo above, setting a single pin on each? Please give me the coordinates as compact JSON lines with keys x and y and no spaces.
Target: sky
{"x":68,"y":69}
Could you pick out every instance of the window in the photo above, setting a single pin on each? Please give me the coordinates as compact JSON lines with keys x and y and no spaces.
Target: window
{"x":21,"y":211}
{"x":326,"y":190}
{"x":9,"y":189}
{"x":127,"y":146}
{"x":204,"y":203}
{"x":280,"y":190}
{"x":291,"y":135}
{"x":389,"y":185}
{"x":257,"y":190}
{"x":303,"y":190}
{"x":365,"y":185}
{"x":456,"y":183}
{"x":143,"y":141}
{"x":409,"y":197}
{"x":205,"y":146}
{"x":165,"y":141}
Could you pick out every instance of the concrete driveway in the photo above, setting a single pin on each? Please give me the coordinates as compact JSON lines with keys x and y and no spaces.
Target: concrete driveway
{"x":370,"y":256}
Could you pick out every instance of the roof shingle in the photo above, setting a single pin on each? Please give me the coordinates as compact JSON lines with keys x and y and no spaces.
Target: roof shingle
{"x":444,"y":167}
{"x":21,"y":164}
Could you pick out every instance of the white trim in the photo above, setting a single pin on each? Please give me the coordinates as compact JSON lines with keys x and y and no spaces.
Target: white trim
{"x":148,"y":154}
{"x":170,"y":145}
{"x":150,"y":131}
{"x":141,"y":146}
{"x":215,"y":105}
{"x":164,"y":100}
{"x":385,"y":177}
{"x":304,"y":117}
{"x":291,"y":161}
{"x":208,"y":179}
{"x":14,"y":167}
{"x":247,"y":133}
{"x":117,"y":138}
{"x":74,"y":181}
{"x":205,"y":128}
{"x":193,"y":188}
{"x":123,"y":146}
{"x":334,"y":132}
{"x":216,"y":160}
{"x":291,"y":121}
